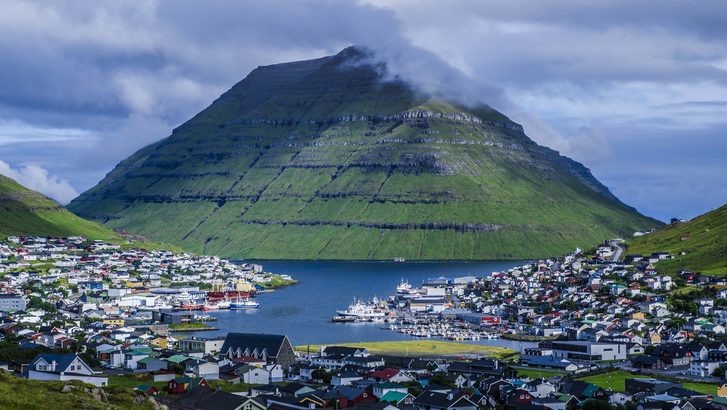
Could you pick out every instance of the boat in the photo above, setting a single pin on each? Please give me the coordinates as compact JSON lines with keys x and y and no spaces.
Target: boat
{"x":190,"y":306}
{"x":244,"y":304}
{"x":403,"y":287}
{"x":220,"y":305}
{"x":363,"y":311}
{"x":238,"y":289}
{"x":343,"y":319}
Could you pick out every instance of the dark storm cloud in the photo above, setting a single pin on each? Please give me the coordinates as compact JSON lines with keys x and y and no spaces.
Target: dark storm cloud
{"x":94,"y":84}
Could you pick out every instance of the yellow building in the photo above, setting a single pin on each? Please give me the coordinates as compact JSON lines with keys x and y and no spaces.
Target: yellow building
{"x":160,"y":341}
{"x":722,"y":391}
{"x":638,"y":316}
{"x":115,"y":322}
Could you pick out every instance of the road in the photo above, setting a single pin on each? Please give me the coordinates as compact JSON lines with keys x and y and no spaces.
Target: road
{"x":619,"y":250}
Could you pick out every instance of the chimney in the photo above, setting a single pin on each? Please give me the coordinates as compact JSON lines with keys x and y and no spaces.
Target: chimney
{"x":450,"y":396}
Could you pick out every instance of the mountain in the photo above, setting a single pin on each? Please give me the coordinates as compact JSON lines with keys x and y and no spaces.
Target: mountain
{"x":26,"y":212}
{"x":333,"y":158}
{"x":703,"y":241}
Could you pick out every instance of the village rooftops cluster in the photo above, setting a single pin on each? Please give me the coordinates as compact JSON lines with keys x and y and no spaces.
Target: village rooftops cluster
{"x":93,"y":279}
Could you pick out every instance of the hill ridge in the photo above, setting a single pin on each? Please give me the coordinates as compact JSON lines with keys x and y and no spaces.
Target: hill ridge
{"x":27,"y":212}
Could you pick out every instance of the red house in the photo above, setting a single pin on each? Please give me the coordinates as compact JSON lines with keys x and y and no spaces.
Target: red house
{"x":344,"y":397}
{"x":180,"y":385}
{"x":491,"y":320}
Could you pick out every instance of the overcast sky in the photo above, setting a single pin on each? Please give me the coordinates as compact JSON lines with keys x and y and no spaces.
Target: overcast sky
{"x":637,"y":91}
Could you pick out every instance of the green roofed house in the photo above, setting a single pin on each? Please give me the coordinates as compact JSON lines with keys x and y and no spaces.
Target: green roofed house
{"x":397,"y":398}
{"x":381,"y":389}
{"x":146,"y":389}
{"x":177,"y":359}
{"x":151,"y":364}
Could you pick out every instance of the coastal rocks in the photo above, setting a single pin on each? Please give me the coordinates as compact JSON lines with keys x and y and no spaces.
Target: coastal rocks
{"x":97,"y":393}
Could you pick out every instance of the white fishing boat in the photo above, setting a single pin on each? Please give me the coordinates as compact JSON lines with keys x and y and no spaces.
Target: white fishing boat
{"x":403,"y":287}
{"x":363,"y":311}
{"x":245,"y":303}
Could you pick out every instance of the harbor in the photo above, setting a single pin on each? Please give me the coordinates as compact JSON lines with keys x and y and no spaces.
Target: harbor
{"x":437,"y":309}
{"x":305,"y":315}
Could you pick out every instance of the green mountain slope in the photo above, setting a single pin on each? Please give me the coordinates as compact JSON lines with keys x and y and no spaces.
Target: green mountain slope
{"x":703,"y":240}
{"x":26,"y":212}
{"x":324,"y":159}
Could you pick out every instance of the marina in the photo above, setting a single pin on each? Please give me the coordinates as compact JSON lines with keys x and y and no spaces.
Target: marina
{"x":426,"y":311}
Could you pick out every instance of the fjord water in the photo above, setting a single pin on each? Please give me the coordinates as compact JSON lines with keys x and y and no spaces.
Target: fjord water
{"x":304,"y":311}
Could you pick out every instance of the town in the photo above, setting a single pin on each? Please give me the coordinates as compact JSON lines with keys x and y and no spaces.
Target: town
{"x":599,"y":329}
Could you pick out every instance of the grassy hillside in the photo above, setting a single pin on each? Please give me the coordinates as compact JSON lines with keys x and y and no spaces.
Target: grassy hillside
{"x":18,"y":393}
{"x":324,"y":159}
{"x":703,"y":240}
{"x":26,"y":212}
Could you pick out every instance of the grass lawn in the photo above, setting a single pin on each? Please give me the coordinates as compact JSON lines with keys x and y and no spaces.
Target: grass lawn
{"x":231,"y":388}
{"x":189,"y":326}
{"x":535,"y":373}
{"x":616,"y":381}
{"x":423,"y":348}
{"x":704,"y":388}
{"x":131,"y":381}
{"x":278,"y":282}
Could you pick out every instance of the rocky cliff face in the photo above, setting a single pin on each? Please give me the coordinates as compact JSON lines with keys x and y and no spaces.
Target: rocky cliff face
{"x":326,"y":159}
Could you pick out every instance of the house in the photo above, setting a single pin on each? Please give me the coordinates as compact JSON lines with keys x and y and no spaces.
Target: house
{"x":390,"y":375}
{"x":583,"y":390}
{"x":201,"y":344}
{"x":180,"y":385}
{"x":539,"y":388}
{"x":343,"y":397}
{"x":253,"y":375}
{"x":430,"y":400}
{"x":147,"y":390}
{"x":345,"y":378}
{"x":380,"y":389}
{"x":703,"y":368}
{"x":266,"y":389}
{"x":722,"y":391}
{"x":588,"y":351}
{"x":295,"y":390}
{"x":397,"y":399}
{"x":634,"y":348}
{"x":206,"y":398}
{"x":672,"y":355}
{"x":203,"y":369}
{"x":618,"y":398}
{"x":344,"y":351}
{"x":63,"y":367}
{"x":11,"y":302}
{"x":648,"y":385}
{"x":271,"y":348}
{"x":151,"y":364}
{"x":370,"y":361}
